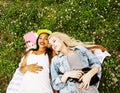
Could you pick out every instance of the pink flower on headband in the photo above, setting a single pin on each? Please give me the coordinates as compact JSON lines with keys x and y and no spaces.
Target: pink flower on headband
{"x":30,"y":39}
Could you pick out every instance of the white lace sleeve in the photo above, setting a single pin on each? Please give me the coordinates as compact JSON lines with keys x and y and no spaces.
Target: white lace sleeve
{"x":101,"y":55}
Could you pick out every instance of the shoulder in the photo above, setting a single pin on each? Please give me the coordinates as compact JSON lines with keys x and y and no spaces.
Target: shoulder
{"x":58,"y":58}
{"x":55,"y":58}
{"x":27,"y":52}
{"x":80,"y":48}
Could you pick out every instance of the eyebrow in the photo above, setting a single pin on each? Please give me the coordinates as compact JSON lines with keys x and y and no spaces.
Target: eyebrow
{"x":53,"y":39}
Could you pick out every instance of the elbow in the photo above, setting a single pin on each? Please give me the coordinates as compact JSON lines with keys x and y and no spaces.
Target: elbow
{"x":22,"y":69}
{"x":97,"y":67}
{"x":58,"y":86}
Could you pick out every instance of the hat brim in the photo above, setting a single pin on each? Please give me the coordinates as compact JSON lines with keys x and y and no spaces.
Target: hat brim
{"x":44,"y":31}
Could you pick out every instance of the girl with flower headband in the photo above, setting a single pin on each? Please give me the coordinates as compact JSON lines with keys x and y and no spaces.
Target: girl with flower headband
{"x":35,"y":67}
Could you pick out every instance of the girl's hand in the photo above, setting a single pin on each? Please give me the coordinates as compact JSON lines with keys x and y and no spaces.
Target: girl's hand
{"x":34,"y":68}
{"x":73,"y":74}
{"x":86,"y":78}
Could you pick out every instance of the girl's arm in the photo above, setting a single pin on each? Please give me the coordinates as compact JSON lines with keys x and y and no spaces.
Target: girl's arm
{"x":59,"y":80}
{"x":86,"y":78}
{"x":95,"y":66}
{"x":32,"y":67}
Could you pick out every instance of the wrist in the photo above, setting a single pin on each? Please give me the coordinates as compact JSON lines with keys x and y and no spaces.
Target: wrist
{"x":91,"y":73}
{"x":64,"y":77}
{"x":23,"y":69}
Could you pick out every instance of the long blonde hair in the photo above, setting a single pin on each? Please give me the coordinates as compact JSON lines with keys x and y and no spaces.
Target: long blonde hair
{"x":70,"y":41}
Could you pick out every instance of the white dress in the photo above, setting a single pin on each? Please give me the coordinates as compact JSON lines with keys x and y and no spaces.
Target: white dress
{"x":37,"y":82}
{"x":16,"y":80}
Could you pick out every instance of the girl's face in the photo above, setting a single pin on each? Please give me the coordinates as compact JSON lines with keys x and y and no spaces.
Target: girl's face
{"x":43,"y":40}
{"x":56,"y":43}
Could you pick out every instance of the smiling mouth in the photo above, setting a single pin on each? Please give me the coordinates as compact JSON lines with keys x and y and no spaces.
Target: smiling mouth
{"x":42,"y":43}
{"x":54,"y":47}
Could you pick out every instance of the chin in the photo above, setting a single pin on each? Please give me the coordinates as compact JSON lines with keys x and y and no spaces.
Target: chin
{"x":57,"y":49}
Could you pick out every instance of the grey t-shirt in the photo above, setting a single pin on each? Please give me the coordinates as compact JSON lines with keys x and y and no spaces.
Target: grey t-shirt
{"x":75,"y":61}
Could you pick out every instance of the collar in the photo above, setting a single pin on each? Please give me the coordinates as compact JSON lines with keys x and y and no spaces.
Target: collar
{"x":74,"y":48}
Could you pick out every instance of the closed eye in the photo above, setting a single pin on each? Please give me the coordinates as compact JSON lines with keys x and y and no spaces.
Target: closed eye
{"x":54,"y":41}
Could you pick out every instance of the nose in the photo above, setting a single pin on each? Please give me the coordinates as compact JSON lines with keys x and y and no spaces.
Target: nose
{"x":42,"y":39}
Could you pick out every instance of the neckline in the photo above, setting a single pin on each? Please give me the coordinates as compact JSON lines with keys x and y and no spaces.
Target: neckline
{"x":36,"y":54}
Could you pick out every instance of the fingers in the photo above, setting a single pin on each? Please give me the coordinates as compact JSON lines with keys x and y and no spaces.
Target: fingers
{"x":38,"y":68}
{"x":87,"y":86}
{"x":79,"y":73}
{"x":34,"y":68}
{"x":83,"y":86}
{"x":75,"y":74}
{"x":84,"y":82}
{"x":80,"y":79}
{"x":35,"y":72}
